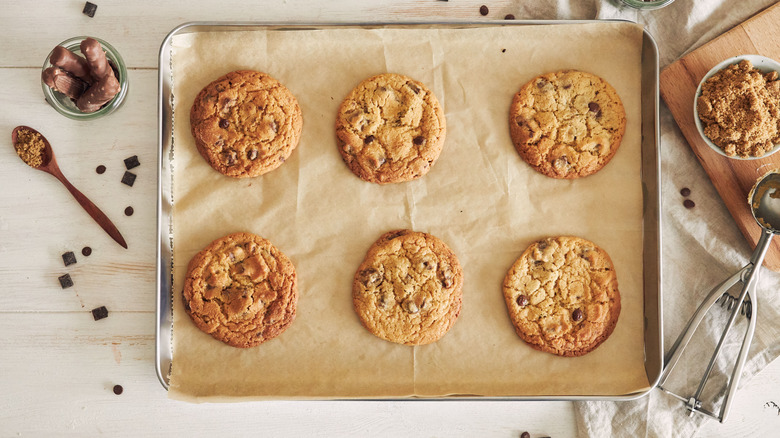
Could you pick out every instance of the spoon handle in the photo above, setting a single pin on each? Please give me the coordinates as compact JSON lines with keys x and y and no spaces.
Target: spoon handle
{"x":93,"y":210}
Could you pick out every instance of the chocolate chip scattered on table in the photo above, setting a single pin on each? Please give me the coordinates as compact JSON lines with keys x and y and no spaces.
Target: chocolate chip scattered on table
{"x":99,"y":313}
{"x":118,"y":389}
{"x":65,"y":281}
{"x":128,"y":178}
{"x":69,"y":258}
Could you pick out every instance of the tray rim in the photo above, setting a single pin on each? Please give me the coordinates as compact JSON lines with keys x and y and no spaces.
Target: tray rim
{"x":651,"y":182}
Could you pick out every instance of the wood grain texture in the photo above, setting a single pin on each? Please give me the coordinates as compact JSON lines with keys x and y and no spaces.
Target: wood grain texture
{"x":733,"y":179}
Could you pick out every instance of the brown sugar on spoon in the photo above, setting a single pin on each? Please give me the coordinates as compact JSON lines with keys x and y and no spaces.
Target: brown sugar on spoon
{"x":739,"y":108}
{"x":29,"y":147}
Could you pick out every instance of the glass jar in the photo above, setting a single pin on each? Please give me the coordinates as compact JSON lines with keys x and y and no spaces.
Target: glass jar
{"x":647,"y":4}
{"x":65,"y":105}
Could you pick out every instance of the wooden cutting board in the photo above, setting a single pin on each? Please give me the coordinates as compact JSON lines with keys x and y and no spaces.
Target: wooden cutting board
{"x":733,"y":179}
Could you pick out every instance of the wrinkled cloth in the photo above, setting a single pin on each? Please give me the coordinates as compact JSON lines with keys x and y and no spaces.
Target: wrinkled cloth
{"x":702,"y":246}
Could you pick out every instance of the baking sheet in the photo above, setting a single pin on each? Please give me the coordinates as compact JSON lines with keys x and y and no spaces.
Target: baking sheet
{"x":480,"y":198}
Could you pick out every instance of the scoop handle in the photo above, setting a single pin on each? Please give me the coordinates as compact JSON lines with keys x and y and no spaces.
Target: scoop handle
{"x":91,"y":208}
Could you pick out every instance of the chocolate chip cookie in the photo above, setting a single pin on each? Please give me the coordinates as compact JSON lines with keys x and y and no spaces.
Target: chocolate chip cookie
{"x":567,"y":124}
{"x":408,"y":288}
{"x":390,"y":128}
{"x":245,"y":123}
{"x":241,"y":290}
{"x":562,"y":295}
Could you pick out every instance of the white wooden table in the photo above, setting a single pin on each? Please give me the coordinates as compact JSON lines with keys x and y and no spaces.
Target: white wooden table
{"x":58,"y":366}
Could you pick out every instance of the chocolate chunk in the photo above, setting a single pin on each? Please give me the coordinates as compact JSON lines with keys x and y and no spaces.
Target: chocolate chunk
{"x":229,"y":157}
{"x":132,"y":162}
{"x":224,"y":124}
{"x":483,"y":10}
{"x":368,"y":140}
{"x":503,"y":50}
{"x":577,"y":315}
{"x":689,"y":204}
{"x":414,"y":88}
{"x":128,"y":178}
{"x":509,"y":17}
{"x":419,"y":140}
{"x":99,"y":313}
{"x":89,"y":9}
{"x":118,"y":389}
{"x":541,"y":83}
{"x":685,"y":191}
{"x":100,"y":169}
{"x":86,"y":251}
{"x":65,"y":281}
{"x":252,"y":154}
{"x":522,"y":300}
{"x":371,"y":277}
{"x":594,"y":108}
{"x":69,"y":258}
{"x":129,"y":211}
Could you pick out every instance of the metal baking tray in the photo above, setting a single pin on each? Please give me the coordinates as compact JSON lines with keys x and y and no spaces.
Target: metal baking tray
{"x":650,"y":166}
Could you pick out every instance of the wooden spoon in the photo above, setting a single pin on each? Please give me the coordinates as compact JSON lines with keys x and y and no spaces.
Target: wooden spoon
{"x":49,"y":165}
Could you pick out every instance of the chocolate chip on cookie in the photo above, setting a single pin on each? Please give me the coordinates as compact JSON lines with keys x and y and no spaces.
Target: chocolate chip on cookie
{"x":408,"y":290}
{"x":390,"y":128}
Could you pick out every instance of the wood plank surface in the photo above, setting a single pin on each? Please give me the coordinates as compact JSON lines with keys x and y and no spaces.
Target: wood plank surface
{"x":733,"y":179}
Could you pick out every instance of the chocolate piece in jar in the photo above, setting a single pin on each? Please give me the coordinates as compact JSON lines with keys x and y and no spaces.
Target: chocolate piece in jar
{"x":106,"y":85}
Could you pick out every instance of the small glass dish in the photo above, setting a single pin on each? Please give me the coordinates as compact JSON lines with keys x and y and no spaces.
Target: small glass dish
{"x":647,"y":4}
{"x":65,"y":105}
{"x":762,"y":64}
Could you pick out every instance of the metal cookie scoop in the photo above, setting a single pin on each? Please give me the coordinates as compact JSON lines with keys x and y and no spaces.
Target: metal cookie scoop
{"x":764,"y":201}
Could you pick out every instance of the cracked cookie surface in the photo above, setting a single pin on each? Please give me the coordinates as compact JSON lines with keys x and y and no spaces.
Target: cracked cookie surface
{"x":739,"y":108}
{"x":562,"y":295}
{"x":390,"y":128}
{"x":241,"y":290}
{"x":408,"y":290}
{"x":567,"y":124}
{"x":245,"y":123}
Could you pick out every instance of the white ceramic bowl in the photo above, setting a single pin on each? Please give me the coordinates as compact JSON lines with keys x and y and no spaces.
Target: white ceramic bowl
{"x":764,"y":65}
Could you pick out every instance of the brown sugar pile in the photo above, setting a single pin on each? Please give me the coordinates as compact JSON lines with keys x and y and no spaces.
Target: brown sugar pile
{"x":739,"y":108}
{"x":29,"y":146}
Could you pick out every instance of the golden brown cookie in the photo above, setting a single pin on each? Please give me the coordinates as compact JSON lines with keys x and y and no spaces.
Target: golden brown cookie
{"x":408,"y":290}
{"x":562,"y":295}
{"x":567,"y":124}
{"x":739,"y":108}
{"x":390,"y":128}
{"x":245,"y":123}
{"x":241,"y":290}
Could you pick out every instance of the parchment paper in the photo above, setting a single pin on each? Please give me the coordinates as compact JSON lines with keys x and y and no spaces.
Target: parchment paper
{"x":479,"y":197}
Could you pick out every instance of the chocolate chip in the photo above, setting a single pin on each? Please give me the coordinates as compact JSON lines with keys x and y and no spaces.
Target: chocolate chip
{"x":503,"y":50}
{"x":100,"y":169}
{"x":129,"y":211}
{"x":483,"y":10}
{"x":89,"y":9}
{"x":525,"y":435}
{"x":541,"y":83}
{"x":410,"y":306}
{"x":69,"y":258}
{"x":118,"y":389}
{"x":368,"y":139}
{"x":509,"y":17}
{"x":685,"y":191}
{"x":224,"y":124}
{"x":65,"y":281}
{"x":99,"y":313}
{"x":566,"y":86}
{"x":419,"y":140}
{"x":252,"y":154}
{"x":86,"y":251}
{"x":414,"y":87}
{"x":371,"y":277}
{"x":128,"y":178}
{"x":132,"y":162}
{"x":689,"y":204}
{"x":594,"y":108}
{"x":577,"y":315}
{"x":229,"y":157}
{"x":522,"y":300}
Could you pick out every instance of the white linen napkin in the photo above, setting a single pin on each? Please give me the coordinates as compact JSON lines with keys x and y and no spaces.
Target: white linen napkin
{"x":702,"y":246}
